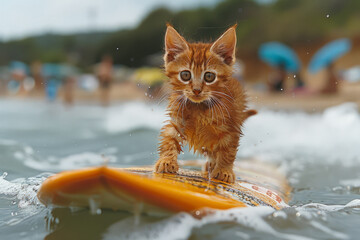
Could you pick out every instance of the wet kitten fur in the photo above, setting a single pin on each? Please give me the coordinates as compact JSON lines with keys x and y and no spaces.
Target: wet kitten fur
{"x":207,"y":116}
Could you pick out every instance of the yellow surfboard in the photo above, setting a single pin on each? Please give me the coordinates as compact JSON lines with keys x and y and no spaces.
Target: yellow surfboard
{"x":140,"y":189}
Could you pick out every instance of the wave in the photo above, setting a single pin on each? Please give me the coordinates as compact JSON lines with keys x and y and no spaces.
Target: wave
{"x":332,"y":134}
{"x":20,"y":193}
{"x":134,"y":115}
{"x":244,"y":223}
{"x":74,"y":161}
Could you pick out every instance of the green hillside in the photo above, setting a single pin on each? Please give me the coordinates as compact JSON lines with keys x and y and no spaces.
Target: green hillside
{"x":292,"y":22}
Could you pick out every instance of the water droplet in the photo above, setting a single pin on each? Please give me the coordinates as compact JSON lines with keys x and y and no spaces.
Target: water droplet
{"x":4,"y":175}
{"x":327,"y":16}
{"x":281,"y":89}
{"x":294,"y":75}
{"x":219,"y":187}
{"x":117,"y":48}
{"x":94,"y":206}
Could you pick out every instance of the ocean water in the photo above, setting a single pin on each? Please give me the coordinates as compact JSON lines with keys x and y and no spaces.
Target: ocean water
{"x":319,"y":153}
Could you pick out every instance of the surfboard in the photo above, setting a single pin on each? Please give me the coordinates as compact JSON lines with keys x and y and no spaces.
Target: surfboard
{"x":140,"y":189}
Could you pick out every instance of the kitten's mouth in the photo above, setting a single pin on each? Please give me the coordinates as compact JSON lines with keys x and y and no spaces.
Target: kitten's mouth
{"x":197,"y":98}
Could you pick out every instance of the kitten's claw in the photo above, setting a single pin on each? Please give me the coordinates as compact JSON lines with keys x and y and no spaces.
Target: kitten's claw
{"x":223,"y":174}
{"x":166,"y":166}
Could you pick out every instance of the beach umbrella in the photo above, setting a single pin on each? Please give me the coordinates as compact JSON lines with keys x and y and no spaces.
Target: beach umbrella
{"x":328,"y":54}
{"x":19,"y":67}
{"x":50,"y":70}
{"x":149,"y":76}
{"x":277,"y":54}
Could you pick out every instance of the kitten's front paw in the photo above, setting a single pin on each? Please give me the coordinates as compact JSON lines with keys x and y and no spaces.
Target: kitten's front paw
{"x":209,"y":166}
{"x":223,"y":174}
{"x":165,"y":165}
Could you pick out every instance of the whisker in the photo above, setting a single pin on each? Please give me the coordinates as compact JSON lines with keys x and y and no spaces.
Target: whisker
{"x":220,"y":108}
{"x":212,"y":111}
{"x":167,"y":94}
{"x":223,"y":105}
{"x":216,"y":108}
{"x":163,"y":97}
{"x":175,"y":101}
{"x":181,"y":105}
{"x":223,"y":94}
{"x":228,"y":91}
{"x":182,"y":111}
{"x":210,"y":108}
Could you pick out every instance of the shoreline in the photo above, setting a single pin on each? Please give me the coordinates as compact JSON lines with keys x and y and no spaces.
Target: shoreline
{"x":129,"y":91}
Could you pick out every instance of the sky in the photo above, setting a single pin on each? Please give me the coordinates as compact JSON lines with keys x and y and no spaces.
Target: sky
{"x":21,"y":18}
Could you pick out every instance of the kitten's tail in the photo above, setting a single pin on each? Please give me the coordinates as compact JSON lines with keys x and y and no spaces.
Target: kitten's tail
{"x":250,"y":113}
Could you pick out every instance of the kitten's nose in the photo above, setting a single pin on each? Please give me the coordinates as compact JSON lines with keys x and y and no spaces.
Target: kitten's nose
{"x":196,"y":91}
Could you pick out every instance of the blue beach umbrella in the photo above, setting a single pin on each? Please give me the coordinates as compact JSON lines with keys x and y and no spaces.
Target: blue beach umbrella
{"x":50,"y":70}
{"x":328,"y":54}
{"x":277,"y":54}
{"x":19,"y":66}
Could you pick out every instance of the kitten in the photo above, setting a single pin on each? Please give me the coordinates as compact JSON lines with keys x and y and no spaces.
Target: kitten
{"x":207,"y":106}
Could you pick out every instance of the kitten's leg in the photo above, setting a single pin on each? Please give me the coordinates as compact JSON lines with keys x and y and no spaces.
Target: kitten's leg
{"x":168,"y":150}
{"x":210,"y":163}
{"x":223,"y":169}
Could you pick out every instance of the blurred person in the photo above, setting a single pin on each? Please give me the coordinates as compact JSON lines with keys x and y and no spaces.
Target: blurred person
{"x":104,"y":74}
{"x":52,"y":78}
{"x":51,"y":89}
{"x":18,"y":75}
{"x":36,"y":72}
{"x":69,"y":87}
{"x":3,"y":79}
{"x":300,"y":87}
{"x":277,"y":80}
{"x":331,"y":86}
{"x":299,"y":83}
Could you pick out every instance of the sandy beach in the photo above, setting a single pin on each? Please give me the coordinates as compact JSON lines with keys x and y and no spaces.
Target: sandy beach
{"x":308,"y":101}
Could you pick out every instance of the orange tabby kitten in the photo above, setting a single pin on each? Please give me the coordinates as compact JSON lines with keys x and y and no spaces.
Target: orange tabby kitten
{"x":207,"y":106}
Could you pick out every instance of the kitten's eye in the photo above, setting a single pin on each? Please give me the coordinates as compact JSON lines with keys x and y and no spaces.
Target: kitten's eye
{"x":185,"y":75}
{"x":209,"y":77}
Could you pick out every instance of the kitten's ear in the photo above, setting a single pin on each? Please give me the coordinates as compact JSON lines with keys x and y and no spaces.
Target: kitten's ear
{"x":174,"y":44}
{"x":225,"y":46}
